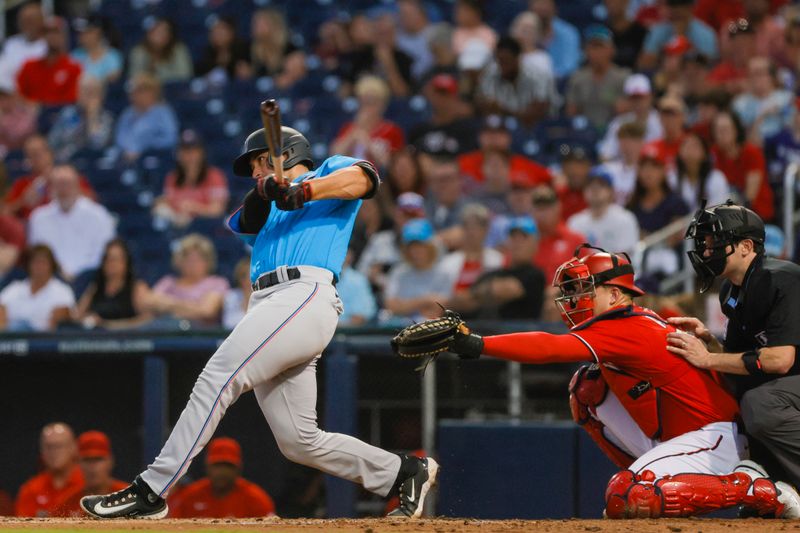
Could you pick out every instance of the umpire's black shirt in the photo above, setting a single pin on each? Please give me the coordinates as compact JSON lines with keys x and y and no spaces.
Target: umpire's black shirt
{"x":763,"y":312}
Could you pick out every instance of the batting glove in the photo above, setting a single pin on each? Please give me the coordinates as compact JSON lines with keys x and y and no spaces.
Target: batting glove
{"x":286,"y":197}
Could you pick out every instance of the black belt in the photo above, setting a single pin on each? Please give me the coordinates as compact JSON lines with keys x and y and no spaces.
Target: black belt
{"x":275,"y":276}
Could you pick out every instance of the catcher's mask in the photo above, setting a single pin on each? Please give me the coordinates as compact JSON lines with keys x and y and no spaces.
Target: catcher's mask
{"x":578,"y":278}
{"x":715,"y":232}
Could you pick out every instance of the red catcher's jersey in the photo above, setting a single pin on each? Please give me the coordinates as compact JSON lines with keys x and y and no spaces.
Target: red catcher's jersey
{"x":664,"y":393}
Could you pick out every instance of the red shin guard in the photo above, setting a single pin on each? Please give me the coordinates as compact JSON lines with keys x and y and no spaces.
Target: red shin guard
{"x":643,"y":496}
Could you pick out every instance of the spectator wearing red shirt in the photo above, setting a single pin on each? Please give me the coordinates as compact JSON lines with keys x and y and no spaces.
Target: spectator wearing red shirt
{"x":575,"y":167}
{"x":224,"y":493}
{"x":731,"y":73}
{"x":193,"y":189}
{"x":495,"y":135}
{"x":557,"y":242}
{"x":742,"y":163}
{"x":33,"y":190}
{"x":96,"y":464}
{"x":672,"y":112}
{"x":53,"y":79}
{"x":39,"y":495}
{"x":370,"y":136}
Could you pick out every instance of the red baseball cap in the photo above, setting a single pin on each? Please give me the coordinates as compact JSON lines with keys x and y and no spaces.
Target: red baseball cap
{"x":93,"y":445}
{"x":224,"y":450}
{"x":445,"y":83}
{"x":653,"y":153}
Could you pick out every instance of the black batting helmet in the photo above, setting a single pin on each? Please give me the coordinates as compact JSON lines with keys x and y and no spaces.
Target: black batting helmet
{"x":714,"y":230}
{"x":296,"y":150}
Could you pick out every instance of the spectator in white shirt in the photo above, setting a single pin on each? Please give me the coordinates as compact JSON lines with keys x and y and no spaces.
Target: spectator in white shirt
{"x":639,"y":100}
{"x":465,"y":265}
{"x":76,"y":228}
{"x":237,"y":296}
{"x":27,"y":44}
{"x":39,"y":302}
{"x":527,"y":30}
{"x":605,"y":224}
{"x":623,"y":170}
{"x":695,"y":176}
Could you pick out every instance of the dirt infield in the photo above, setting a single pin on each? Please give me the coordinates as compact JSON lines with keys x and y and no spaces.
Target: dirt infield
{"x":441,"y":525}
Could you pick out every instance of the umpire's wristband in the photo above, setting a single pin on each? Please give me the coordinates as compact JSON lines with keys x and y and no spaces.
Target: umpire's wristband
{"x":752,"y":363}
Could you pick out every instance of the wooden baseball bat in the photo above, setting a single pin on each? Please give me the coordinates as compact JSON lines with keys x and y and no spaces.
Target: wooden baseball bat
{"x":271,"y":117}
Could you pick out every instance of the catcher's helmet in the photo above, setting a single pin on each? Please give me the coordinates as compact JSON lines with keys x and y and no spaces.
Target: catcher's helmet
{"x":578,"y":277}
{"x":714,"y":230}
{"x":296,"y":150}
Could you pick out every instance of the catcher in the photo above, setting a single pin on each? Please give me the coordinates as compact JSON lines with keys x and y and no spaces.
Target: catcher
{"x":669,"y":426}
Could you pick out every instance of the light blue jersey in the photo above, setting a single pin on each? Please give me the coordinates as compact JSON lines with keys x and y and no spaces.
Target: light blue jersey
{"x":316,"y":235}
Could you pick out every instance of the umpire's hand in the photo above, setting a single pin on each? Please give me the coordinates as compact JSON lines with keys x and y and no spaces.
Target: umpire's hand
{"x":286,"y":197}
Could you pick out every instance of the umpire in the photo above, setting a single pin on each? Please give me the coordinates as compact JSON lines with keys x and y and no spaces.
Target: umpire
{"x":760,"y":296}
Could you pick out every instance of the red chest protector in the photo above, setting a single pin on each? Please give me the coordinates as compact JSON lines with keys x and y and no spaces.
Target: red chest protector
{"x":641,"y":397}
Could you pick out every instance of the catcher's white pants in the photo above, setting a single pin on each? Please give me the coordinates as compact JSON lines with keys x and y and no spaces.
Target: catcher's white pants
{"x":274,"y":352}
{"x":713,"y":449}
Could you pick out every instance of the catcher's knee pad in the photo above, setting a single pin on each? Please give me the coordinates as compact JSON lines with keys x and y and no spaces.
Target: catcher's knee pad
{"x":681,"y":495}
{"x":587,"y":390}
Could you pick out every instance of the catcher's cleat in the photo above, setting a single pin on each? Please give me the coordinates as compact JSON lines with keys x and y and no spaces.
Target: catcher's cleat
{"x":134,"y":501}
{"x":787,"y":495}
{"x":415,"y":488}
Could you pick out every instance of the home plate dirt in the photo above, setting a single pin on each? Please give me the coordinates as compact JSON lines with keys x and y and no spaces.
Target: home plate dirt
{"x":372,"y":525}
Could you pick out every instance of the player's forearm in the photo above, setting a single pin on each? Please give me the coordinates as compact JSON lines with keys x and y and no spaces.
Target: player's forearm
{"x":349,"y":183}
{"x":772,"y":360}
{"x":536,"y":348}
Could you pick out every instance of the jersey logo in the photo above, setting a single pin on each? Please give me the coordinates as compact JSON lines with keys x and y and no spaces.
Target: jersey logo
{"x":761,"y":338}
{"x":731,"y":302}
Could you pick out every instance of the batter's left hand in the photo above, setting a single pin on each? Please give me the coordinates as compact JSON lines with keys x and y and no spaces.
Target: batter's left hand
{"x":689,"y":347}
{"x":286,"y":197}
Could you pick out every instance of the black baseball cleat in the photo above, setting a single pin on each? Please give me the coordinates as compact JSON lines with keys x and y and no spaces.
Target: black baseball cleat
{"x":413,"y":490}
{"x":134,"y":501}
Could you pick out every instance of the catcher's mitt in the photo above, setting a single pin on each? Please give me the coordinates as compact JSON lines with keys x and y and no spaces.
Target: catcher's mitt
{"x":429,"y":338}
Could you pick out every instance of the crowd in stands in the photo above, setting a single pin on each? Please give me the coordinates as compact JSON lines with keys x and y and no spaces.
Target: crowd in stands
{"x":73,"y":467}
{"x":506,"y":134}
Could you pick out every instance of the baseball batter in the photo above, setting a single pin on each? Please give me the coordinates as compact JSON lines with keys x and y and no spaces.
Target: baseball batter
{"x":299,"y":232}
{"x":669,"y":426}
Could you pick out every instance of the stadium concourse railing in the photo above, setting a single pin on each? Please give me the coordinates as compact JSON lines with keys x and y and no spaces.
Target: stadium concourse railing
{"x":155,"y":349}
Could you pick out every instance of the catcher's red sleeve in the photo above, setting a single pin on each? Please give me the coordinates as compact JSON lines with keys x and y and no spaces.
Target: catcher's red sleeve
{"x":536,"y":347}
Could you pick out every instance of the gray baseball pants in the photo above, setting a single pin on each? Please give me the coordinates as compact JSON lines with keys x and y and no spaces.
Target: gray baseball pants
{"x":273,"y":351}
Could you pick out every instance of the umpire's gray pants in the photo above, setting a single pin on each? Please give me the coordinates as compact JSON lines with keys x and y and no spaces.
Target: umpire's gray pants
{"x":274,"y":352}
{"x":771,"y":415}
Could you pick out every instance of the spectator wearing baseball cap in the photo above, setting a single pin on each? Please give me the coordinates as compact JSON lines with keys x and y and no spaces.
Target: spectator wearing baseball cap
{"x":575,"y":166}
{"x":505,"y":88}
{"x":605,"y":223}
{"x":594,"y":89}
{"x":96,"y":462}
{"x":672,"y":112}
{"x":417,"y":286}
{"x":97,"y":58}
{"x":557,"y":242}
{"x":670,"y":76}
{"x":680,"y":21}
{"x":496,"y":135}
{"x":639,"y":99}
{"x":52,"y":79}
{"x":450,"y":129}
{"x":223,"y":493}
{"x":194,"y":189}
{"x":768,"y":24}
{"x":730,"y":74}
{"x":383,"y":249}
{"x":516,"y":291}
